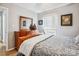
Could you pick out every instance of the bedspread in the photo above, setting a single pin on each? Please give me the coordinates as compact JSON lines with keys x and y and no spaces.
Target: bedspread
{"x":56,"y":46}
{"x":27,"y":46}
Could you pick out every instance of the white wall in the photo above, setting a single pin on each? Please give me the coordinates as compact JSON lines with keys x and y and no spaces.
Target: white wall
{"x":13,"y":20}
{"x":65,"y":30}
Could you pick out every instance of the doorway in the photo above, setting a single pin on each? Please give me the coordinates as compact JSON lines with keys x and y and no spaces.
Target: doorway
{"x":4,"y":26}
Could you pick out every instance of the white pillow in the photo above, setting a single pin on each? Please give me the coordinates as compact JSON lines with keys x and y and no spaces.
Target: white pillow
{"x":41,"y":30}
{"x":77,"y":39}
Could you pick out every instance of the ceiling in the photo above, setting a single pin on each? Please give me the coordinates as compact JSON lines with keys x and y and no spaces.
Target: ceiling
{"x":40,"y":7}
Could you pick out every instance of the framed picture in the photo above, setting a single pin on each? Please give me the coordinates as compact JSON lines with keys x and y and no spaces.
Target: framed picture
{"x":66,"y":20}
{"x":40,"y":22}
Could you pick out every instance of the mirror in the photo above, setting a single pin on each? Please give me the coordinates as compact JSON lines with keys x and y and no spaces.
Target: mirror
{"x":25,"y":22}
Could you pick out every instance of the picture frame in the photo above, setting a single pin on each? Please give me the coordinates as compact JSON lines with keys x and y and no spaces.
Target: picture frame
{"x":40,"y":22}
{"x":66,"y":20}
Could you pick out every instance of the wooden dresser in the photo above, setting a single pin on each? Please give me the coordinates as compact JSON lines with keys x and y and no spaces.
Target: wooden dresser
{"x":20,"y":36}
{"x":16,"y":40}
{"x":23,"y":35}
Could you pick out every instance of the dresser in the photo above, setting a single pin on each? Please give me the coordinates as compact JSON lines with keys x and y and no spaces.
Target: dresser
{"x":20,"y":36}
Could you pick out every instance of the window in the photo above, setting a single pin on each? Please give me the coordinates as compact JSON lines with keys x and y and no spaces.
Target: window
{"x":49,"y":24}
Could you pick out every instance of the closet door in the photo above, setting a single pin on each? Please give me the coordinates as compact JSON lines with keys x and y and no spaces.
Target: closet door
{"x":4,"y":26}
{"x":2,"y":46}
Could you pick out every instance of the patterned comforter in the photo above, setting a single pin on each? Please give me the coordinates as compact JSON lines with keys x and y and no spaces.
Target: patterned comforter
{"x":56,"y":46}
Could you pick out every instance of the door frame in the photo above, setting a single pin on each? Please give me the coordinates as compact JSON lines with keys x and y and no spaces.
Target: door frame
{"x":5,"y":26}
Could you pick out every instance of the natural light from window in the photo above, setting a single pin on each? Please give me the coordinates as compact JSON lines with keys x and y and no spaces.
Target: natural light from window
{"x":49,"y":23}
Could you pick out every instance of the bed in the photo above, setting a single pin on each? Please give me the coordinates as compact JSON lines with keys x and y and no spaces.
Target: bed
{"x":49,"y":45}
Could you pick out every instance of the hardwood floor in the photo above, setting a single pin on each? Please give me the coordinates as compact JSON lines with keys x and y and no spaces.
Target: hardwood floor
{"x":11,"y":53}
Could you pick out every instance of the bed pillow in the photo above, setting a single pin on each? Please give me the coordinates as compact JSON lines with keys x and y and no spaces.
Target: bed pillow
{"x":34,"y":32}
{"x":77,"y":40}
{"x":30,"y":35}
{"x":41,"y":30}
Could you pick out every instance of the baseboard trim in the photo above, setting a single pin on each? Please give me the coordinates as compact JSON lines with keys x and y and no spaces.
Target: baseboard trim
{"x":10,"y":49}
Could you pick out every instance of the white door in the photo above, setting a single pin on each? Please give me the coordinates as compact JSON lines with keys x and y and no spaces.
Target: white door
{"x":4,"y":26}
